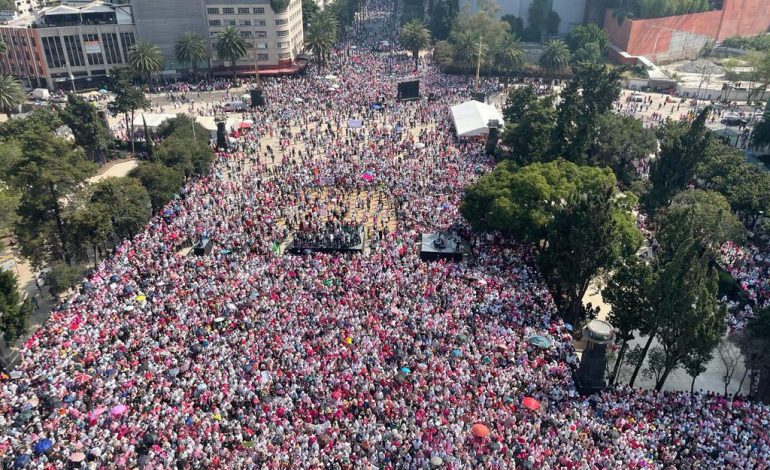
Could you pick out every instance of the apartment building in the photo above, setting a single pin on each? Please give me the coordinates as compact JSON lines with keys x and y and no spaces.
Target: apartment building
{"x":68,"y":46}
{"x":274,"y":39}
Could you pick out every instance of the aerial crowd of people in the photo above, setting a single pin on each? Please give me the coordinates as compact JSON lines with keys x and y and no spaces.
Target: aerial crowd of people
{"x":252,"y":358}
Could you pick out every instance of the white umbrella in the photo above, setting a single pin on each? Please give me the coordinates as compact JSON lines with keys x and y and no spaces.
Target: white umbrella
{"x":298,"y":100}
{"x":246,"y":96}
{"x":330,"y":77}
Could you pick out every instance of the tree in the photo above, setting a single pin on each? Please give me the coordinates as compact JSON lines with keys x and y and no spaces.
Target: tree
{"x":690,"y":321}
{"x":182,"y":125}
{"x":583,"y":35}
{"x":628,"y":291}
{"x":442,"y":16}
{"x":695,"y":364}
{"x":145,"y":58}
{"x":542,"y":19}
{"x":508,"y":55}
{"x":321,"y":35}
{"x":755,"y":345}
{"x":468,"y":49}
{"x":573,"y":214}
{"x":760,"y":135}
{"x":473,"y":31}
{"x":700,"y":217}
{"x":62,"y":276}
{"x":555,"y":58}
{"x":309,"y":10}
{"x":681,"y":151}
{"x":86,"y":126}
{"x":191,"y":49}
{"x":128,"y":99}
{"x":125,"y":201}
{"x":231,"y":47}
{"x":590,"y":53}
{"x":620,"y":142}
{"x":160,"y":181}
{"x":588,"y":238}
{"x":190,"y":157}
{"x":745,"y":185}
{"x":586,"y":97}
{"x":45,"y":170}
{"x":9,"y":201}
{"x":14,"y":313}
{"x":528,"y":132}
{"x":89,"y":228}
{"x":39,"y":120}
{"x":414,"y":37}
{"x":11,"y":95}
{"x":518,"y":103}
{"x":3,"y":47}
{"x":729,"y":353}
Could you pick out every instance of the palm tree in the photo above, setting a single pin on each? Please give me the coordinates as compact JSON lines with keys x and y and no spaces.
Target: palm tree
{"x":508,"y":55}
{"x":321,"y":35}
{"x":231,"y":47}
{"x":11,"y":94}
{"x":3,"y":47}
{"x":415,"y":36}
{"x":191,"y":49}
{"x":145,"y":58}
{"x":555,"y":58}
{"x":467,"y":47}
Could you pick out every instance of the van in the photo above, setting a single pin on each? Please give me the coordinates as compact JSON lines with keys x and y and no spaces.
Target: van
{"x":637,"y":97}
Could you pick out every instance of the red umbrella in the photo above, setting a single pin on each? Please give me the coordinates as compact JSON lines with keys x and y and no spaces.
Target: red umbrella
{"x":81,"y":378}
{"x":480,"y":430}
{"x":530,"y":404}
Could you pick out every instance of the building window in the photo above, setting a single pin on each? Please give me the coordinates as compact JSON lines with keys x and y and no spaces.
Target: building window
{"x":249,"y":45}
{"x":213,"y":11}
{"x":243,"y":11}
{"x":259,"y":23}
{"x":54,"y":54}
{"x":282,"y":34}
{"x":245,"y":34}
{"x":93,"y":49}
{"x":261,"y":45}
{"x":284,"y":55}
{"x":229,"y":22}
{"x":215,"y":23}
{"x":74,"y":51}
{"x":260,"y":34}
{"x":110,"y":41}
{"x":281,"y":22}
{"x":258,"y":11}
{"x":244,"y":22}
{"x":228,"y":11}
{"x":283,"y":45}
{"x":127,"y":40}
{"x":263,"y":57}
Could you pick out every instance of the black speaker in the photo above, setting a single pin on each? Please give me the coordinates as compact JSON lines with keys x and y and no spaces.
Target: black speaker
{"x":203,"y":247}
{"x":257,"y":98}
{"x":221,"y":135}
{"x":480,"y":97}
{"x":409,"y":90}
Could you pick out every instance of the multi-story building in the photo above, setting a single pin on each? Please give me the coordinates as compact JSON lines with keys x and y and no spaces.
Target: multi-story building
{"x":68,"y":46}
{"x":571,"y":12}
{"x":274,"y":39}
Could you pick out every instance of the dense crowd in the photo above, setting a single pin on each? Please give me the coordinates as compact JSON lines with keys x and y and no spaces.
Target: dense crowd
{"x":248,"y":358}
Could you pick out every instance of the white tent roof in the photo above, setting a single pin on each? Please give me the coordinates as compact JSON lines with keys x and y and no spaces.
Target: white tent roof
{"x":471,"y":118}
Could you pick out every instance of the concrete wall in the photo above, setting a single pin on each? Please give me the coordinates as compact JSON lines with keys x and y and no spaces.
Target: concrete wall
{"x":571,"y":12}
{"x":683,"y":36}
{"x":164,"y":21}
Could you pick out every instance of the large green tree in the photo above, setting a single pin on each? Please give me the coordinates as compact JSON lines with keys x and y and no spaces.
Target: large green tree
{"x":760,"y":134}
{"x":529,"y":128}
{"x":160,"y":181}
{"x":442,"y":16}
{"x":682,"y":149}
{"x":45,"y":170}
{"x":125,"y":201}
{"x":578,"y":222}
{"x":414,"y":37}
{"x":87,"y":128}
{"x":39,"y":120}
{"x":230,"y":47}
{"x":508,"y":55}
{"x":321,"y":35}
{"x":620,"y":141}
{"x":14,"y":312}
{"x":309,"y":10}
{"x":191,"y":49}
{"x":587,"y":42}
{"x":145,"y":58}
{"x":190,"y":157}
{"x":11,"y":95}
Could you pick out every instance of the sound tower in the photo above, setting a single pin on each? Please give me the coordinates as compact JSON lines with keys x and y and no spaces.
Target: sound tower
{"x":257,"y":98}
{"x":221,"y":136}
{"x":409,"y":90}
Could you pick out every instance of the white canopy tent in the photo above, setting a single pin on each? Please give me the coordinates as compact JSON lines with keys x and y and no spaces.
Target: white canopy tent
{"x":471,"y":118}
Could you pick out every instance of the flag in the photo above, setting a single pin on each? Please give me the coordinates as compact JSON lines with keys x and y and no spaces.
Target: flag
{"x":275,"y":248}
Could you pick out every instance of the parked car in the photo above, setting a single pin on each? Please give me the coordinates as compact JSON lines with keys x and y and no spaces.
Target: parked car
{"x":734,"y":121}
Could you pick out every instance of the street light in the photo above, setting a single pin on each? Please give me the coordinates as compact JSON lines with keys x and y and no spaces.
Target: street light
{"x":72,"y":80}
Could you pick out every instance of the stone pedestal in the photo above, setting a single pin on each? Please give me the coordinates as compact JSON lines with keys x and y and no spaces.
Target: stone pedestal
{"x":590,"y":375}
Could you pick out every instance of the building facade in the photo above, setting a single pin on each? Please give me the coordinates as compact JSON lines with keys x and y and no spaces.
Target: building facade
{"x":571,"y":12}
{"x":273,"y":39}
{"x":68,"y":46}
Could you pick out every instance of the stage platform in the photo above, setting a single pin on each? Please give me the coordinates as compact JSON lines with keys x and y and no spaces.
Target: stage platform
{"x":438,"y":246}
{"x":296,"y":248}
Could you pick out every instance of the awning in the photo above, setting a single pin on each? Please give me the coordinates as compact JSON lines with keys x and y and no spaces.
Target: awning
{"x":472,"y":118}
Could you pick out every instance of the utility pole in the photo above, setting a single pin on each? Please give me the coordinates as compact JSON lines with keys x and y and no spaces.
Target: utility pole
{"x":478,"y":62}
